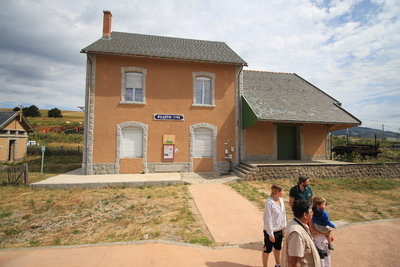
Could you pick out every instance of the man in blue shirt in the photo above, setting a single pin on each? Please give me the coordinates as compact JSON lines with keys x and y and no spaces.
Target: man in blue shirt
{"x":301,"y":191}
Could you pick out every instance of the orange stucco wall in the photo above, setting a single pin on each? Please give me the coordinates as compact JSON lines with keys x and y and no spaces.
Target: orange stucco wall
{"x":260,"y":139}
{"x":315,"y":139}
{"x":131,"y":165}
{"x":169,"y":90}
{"x":202,"y":165}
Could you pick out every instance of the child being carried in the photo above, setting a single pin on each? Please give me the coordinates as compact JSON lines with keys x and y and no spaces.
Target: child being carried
{"x":321,"y":219}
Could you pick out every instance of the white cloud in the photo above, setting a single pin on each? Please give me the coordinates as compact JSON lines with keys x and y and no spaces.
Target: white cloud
{"x":353,"y":61}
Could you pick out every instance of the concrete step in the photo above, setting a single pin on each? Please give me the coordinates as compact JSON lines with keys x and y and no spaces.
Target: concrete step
{"x":239,"y":173}
{"x":247,"y":167}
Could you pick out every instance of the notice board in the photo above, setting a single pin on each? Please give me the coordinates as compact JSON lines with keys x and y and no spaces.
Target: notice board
{"x":168,"y":152}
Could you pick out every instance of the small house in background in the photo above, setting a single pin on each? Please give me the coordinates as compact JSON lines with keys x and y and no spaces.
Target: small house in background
{"x":14,"y":128}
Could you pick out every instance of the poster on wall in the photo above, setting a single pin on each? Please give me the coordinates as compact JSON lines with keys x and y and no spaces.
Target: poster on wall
{"x":168,"y":152}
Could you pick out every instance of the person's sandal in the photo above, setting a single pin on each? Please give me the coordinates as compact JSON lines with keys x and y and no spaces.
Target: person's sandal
{"x":330,"y":247}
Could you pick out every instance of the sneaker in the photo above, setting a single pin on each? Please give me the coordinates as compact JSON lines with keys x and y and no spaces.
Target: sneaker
{"x":330,"y":247}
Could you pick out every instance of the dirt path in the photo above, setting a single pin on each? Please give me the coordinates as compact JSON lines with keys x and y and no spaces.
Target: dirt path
{"x":366,"y":245}
{"x":369,"y":244}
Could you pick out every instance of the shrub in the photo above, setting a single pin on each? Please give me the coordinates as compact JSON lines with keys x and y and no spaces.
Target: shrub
{"x":32,"y":111}
{"x":46,"y":138}
{"x":348,"y":157}
{"x":54,"y":113}
{"x":50,"y":151}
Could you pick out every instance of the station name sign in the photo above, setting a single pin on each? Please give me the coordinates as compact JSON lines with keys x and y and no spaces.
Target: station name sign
{"x":168,"y":117}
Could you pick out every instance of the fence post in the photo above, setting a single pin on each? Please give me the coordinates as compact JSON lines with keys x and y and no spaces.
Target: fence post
{"x":26,"y":173}
{"x":43,"y":150}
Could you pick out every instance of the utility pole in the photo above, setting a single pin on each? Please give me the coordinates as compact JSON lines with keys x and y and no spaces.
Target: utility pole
{"x":383,"y":131}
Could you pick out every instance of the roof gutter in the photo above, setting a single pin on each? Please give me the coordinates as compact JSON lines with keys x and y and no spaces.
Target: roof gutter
{"x":164,"y":58}
{"x":311,"y":122}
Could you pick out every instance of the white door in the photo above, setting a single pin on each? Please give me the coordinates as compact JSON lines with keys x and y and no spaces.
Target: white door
{"x":132,"y":142}
{"x":202,"y":143}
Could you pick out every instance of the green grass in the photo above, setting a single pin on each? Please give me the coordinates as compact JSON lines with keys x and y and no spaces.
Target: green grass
{"x":205,"y":241}
{"x":5,"y":214}
{"x":349,"y":199}
{"x":59,"y":138}
{"x":53,"y":165}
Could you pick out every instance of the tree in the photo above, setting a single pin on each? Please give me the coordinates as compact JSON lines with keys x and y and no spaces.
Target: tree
{"x":32,"y":111}
{"x":55,"y":113}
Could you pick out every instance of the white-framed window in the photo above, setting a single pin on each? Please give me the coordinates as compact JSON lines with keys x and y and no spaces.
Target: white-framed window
{"x":133,"y":85}
{"x":132,"y":142}
{"x":202,"y":143}
{"x":203,"y":89}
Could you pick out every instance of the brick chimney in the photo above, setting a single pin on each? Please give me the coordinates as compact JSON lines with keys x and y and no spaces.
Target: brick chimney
{"x":107,"y":19}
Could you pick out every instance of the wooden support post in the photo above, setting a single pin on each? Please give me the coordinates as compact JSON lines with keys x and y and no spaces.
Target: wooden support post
{"x":26,"y":174}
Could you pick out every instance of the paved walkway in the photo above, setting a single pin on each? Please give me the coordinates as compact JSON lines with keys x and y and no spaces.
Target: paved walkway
{"x":229,"y":217}
{"x":75,"y":179}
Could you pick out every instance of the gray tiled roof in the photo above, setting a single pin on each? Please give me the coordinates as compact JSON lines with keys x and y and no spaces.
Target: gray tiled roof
{"x":289,"y":98}
{"x":7,"y":116}
{"x":165,"y":47}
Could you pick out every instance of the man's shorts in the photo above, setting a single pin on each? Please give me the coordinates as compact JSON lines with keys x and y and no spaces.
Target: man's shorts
{"x":268,"y":245}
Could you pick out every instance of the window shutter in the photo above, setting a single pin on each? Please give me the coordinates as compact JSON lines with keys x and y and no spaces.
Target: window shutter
{"x":132,"y":142}
{"x":202,"y":143}
{"x":133,"y":80}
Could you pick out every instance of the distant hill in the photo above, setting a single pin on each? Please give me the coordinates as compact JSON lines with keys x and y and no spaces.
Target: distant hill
{"x":70,"y":118}
{"x":364,"y":132}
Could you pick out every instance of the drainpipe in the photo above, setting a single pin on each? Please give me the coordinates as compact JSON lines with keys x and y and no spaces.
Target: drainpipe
{"x":239,"y":150}
{"x":87,"y":110}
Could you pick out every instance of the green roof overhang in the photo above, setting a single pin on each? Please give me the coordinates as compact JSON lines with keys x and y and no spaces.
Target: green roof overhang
{"x":249,"y":117}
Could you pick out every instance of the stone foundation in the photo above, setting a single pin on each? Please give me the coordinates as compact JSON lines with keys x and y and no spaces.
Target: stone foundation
{"x":388,"y":170}
{"x":223,"y":166}
{"x":104,"y":168}
{"x":168,"y":167}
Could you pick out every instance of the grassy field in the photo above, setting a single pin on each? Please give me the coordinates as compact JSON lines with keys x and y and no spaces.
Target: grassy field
{"x":39,"y":217}
{"x":349,"y":199}
{"x":47,"y":217}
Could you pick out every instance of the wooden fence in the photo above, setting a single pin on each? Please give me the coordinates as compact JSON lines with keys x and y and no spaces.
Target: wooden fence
{"x":14,"y":174}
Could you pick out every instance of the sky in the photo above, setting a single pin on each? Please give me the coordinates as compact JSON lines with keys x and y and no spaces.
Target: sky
{"x":350,"y":49}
